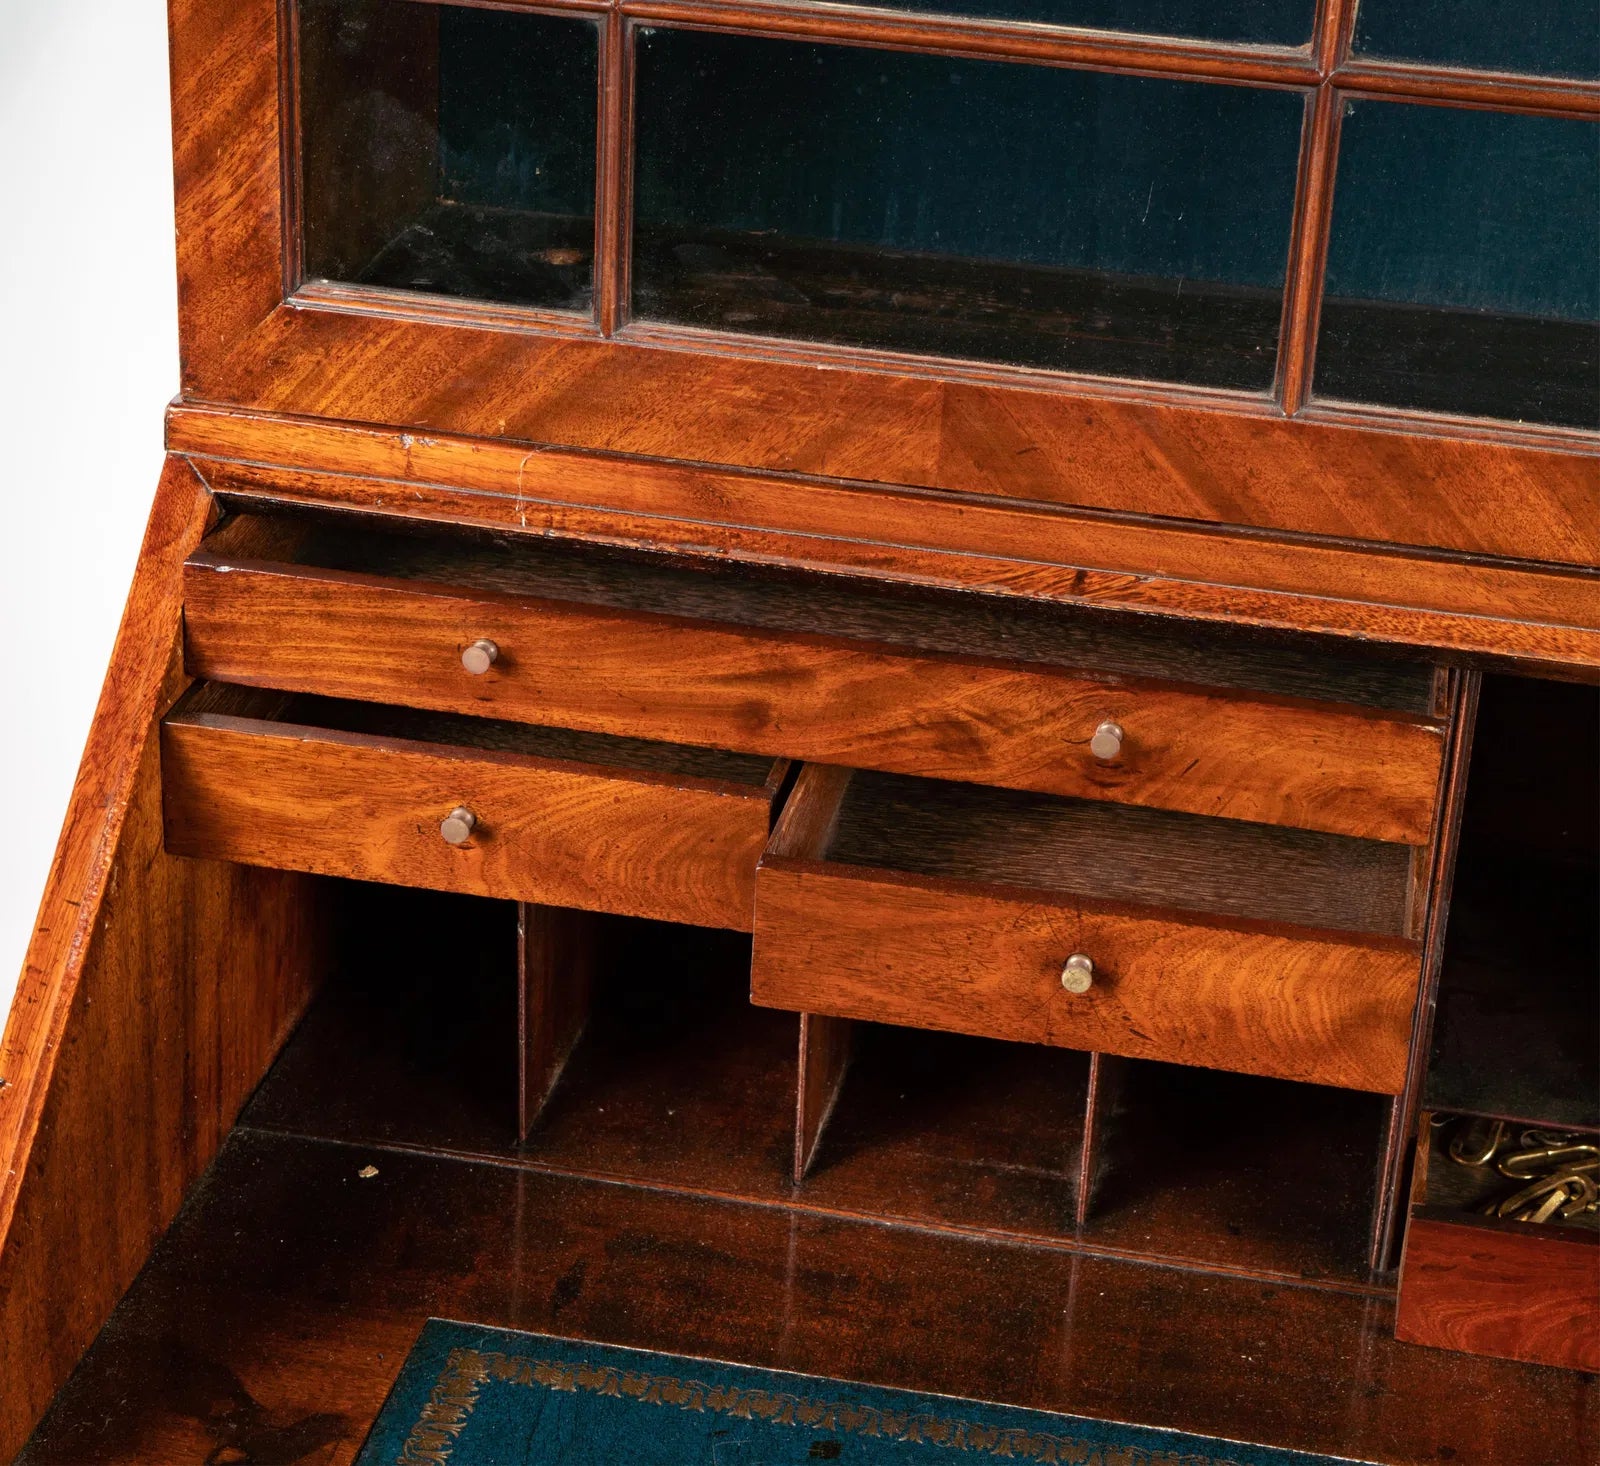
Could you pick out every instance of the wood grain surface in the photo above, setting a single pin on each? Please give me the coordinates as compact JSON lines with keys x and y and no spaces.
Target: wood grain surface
{"x":681,"y":1084}
{"x":825,"y":1045}
{"x":1506,"y":1289}
{"x":155,"y":993}
{"x":550,"y":832}
{"x":1517,"y":614}
{"x":555,"y":974}
{"x":710,"y":588}
{"x":276,"y":1321}
{"x":441,"y":374}
{"x":834,"y":700}
{"x":937,"y":424}
{"x":1111,"y":852}
{"x":888,"y":423}
{"x":229,"y":171}
{"x":1321,"y":1007}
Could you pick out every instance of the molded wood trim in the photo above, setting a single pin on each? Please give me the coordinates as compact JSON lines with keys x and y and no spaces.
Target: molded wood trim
{"x":1513,"y":614}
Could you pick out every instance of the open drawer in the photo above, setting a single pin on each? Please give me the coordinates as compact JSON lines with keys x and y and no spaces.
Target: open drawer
{"x":1091,"y":926}
{"x":470,"y":805}
{"x":956,"y":686}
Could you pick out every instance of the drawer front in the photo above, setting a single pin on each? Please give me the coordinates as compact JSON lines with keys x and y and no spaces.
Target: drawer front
{"x":340,"y":804}
{"x":886,"y":947}
{"x":1506,"y":1289}
{"x":832,"y":700}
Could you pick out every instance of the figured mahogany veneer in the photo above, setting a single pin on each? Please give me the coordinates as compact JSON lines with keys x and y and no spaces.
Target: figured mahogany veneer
{"x":1506,"y":1289}
{"x":568,"y":820}
{"x":1514,"y":1290}
{"x":1262,"y":877}
{"x":815,"y":671}
{"x":1234,"y":947}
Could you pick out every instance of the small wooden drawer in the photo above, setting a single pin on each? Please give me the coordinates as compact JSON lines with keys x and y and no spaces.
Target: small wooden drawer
{"x":1480,"y":1285}
{"x":1015,"y":694}
{"x":1214,"y":943}
{"x":561,"y":818}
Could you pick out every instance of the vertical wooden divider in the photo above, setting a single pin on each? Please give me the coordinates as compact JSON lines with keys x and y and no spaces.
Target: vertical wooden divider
{"x":1440,"y":873}
{"x":1313,"y":210}
{"x":1105,"y":1081}
{"x":614,"y":186}
{"x":555,"y":976}
{"x":804,"y":832}
{"x":825,"y":1045}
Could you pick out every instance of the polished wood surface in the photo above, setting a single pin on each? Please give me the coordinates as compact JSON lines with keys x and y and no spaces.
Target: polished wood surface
{"x":1433,"y":886}
{"x":156,"y":992}
{"x":1315,"y":1008}
{"x":400,"y":550}
{"x":1518,"y":614}
{"x":290,"y":1293}
{"x":243,"y":784}
{"x":825,"y":1046}
{"x":1524,"y":501}
{"x":1506,"y":1289}
{"x":159,"y":988}
{"x":555,"y":975}
{"x":1223,"y":457}
{"x":588,"y":662}
{"x":681,"y":1083}
{"x":1333,"y":1007}
{"x":227,"y":109}
{"x":235,"y":1340}
{"x":1103,"y":1087}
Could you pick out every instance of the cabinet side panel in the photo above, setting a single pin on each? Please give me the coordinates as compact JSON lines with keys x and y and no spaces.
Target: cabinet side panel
{"x":157,"y":991}
{"x":228,"y":174}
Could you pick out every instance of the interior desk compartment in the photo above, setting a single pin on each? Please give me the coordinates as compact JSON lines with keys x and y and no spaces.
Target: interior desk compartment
{"x":1122,"y":931}
{"x":471,"y":805}
{"x":948,"y":685}
{"x":1514,"y":1042}
{"x":1483,"y":1285}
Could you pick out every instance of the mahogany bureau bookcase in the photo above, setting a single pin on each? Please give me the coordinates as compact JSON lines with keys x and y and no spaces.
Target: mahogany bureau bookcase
{"x":1066,"y":531}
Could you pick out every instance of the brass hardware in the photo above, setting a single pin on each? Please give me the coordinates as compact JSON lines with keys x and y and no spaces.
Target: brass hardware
{"x":1476,"y":1143}
{"x":1077,"y":975}
{"x":1587,"y":1199}
{"x":1570,"y":1192}
{"x":480,"y":656}
{"x":1560,"y":1172}
{"x":1107,"y":741}
{"x":1523,"y":1165}
{"x":1547,"y":1208}
{"x":458,"y":825}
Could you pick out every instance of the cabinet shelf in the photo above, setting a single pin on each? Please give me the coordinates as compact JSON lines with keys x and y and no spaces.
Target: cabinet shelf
{"x":545,"y":261}
{"x":1096,"y":322}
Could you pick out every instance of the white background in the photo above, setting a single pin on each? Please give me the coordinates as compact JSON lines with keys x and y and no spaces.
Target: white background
{"x":88,"y":360}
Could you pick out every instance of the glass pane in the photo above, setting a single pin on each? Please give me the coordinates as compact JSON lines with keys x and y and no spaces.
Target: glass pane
{"x":1464,"y":267}
{"x":449,"y":149}
{"x":1066,"y":219}
{"x":1545,"y":37}
{"x":1262,"y":22}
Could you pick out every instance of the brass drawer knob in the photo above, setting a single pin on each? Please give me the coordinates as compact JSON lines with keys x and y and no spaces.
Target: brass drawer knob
{"x":480,"y":656}
{"x":1107,"y":741}
{"x":458,"y":825}
{"x":1077,"y":976}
